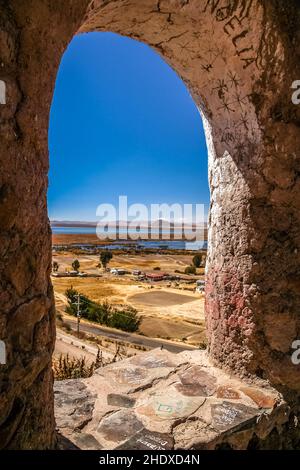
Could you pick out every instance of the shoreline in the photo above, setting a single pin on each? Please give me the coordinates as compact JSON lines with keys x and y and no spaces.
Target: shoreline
{"x":92,"y":239}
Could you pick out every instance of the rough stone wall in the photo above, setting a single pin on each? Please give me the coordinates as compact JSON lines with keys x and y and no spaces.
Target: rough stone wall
{"x":33,"y":35}
{"x":238,"y":59}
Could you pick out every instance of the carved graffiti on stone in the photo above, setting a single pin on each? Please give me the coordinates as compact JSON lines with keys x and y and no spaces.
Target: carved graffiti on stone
{"x":211,"y":55}
{"x":234,"y":15}
{"x":233,"y":79}
{"x":229,"y":94}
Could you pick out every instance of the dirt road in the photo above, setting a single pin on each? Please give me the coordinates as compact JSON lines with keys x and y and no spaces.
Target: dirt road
{"x":74,"y":347}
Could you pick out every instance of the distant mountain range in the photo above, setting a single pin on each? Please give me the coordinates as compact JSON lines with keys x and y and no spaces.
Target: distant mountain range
{"x":72,"y":223}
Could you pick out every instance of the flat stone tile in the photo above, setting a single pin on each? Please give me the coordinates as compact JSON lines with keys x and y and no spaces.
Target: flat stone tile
{"x":122,"y":401}
{"x":147,"y":440}
{"x":156,"y":359}
{"x":263,"y":400}
{"x":86,"y":441}
{"x":227,"y":392}
{"x":227,"y":415}
{"x":197,"y":357}
{"x":74,"y":404}
{"x":196,"y":382}
{"x":192,"y":433}
{"x":65,"y":443}
{"x":119,"y":426}
{"x":167,"y":405}
{"x":131,"y":378}
{"x":129,"y":375}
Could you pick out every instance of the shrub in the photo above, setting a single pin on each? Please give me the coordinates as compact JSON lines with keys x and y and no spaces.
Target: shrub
{"x":190,"y":270}
{"x":66,"y":368}
{"x":67,"y":327}
{"x":126,"y":318}
{"x":197,"y":261}
{"x":157,"y":268}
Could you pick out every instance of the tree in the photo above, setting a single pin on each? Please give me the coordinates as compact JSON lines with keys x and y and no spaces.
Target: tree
{"x":126,"y":319}
{"x":197,"y":261}
{"x":76,"y":265}
{"x":55,"y":266}
{"x":190,"y":270}
{"x":105,"y":258}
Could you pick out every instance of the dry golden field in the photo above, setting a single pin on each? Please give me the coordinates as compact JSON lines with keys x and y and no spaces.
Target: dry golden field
{"x":170,"y":310}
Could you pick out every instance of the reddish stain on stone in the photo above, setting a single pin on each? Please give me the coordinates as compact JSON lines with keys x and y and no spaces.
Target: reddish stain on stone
{"x":261,"y":399}
{"x":196,"y":382}
{"x":228,"y":392}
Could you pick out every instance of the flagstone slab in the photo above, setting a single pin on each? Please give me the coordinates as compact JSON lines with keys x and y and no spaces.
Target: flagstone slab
{"x":196,"y":381}
{"x":227,"y":415}
{"x":156,"y":359}
{"x":132,"y":378}
{"x":161,"y":401}
{"x":138,"y":372}
{"x":74,"y":404}
{"x":123,"y":401}
{"x":86,"y":441}
{"x":261,"y":398}
{"x":147,"y":440}
{"x":193,"y":433}
{"x":167,"y":404}
{"x":227,"y":392}
{"x":119,"y":426}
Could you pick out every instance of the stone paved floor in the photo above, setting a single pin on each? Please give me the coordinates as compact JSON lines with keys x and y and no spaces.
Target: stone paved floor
{"x":158,"y":400}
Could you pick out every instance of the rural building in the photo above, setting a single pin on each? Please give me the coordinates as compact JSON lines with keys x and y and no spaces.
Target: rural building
{"x":118,"y":271}
{"x":136,"y":272}
{"x":156,"y":276}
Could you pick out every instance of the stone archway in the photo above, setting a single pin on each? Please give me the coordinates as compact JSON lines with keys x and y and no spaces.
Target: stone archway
{"x":238,"y":59}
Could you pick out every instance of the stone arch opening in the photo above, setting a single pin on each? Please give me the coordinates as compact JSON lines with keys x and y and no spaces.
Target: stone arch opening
{"x":236,"y":59}
{"x":119,"y":135}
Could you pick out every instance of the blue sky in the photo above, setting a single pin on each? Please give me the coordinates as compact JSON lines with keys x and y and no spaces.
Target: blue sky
{"x":122,"y":123}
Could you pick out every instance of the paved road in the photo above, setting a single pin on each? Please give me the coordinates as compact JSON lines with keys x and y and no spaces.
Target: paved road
{"x":132,"y":338}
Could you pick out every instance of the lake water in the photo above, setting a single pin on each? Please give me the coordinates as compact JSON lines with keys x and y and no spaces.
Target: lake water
{"x":164,"y":244}
{"x":73,"y":230}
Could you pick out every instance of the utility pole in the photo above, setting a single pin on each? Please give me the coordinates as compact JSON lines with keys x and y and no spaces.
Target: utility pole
{"x":78,"y":313}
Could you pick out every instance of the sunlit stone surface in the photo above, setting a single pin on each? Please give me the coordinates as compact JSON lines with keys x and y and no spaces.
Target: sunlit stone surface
{"x":189,"y":405}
